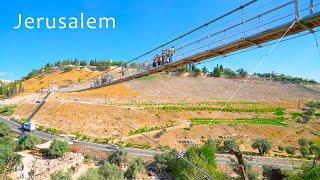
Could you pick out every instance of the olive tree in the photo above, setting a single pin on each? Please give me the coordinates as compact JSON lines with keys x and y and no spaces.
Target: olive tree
{"x":28,"y":142}
{"x":58,"y":148}
{"x":263,"y":145}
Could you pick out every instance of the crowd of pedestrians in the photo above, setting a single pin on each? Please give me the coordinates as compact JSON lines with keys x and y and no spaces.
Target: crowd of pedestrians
{"x":164,"y":58}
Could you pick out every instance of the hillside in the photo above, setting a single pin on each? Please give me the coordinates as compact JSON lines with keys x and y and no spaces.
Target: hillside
{"x":181,"y":105}
{"x":57,"y":78}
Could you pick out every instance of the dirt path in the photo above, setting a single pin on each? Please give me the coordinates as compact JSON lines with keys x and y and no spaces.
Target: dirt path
{"x":181,"y":126}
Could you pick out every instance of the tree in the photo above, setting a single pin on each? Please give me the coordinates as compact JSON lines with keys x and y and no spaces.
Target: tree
{"x":263,"y":145}
{"x":9,"y":159}
{"x":110,"y":171}
{"x":28,"y":142}
{"x":91,"y":174}
{"x":135,"y":167}
{"x":58,"y":148}
{"x":217,"y":72}
{"x":271,"y":173}
{"x":230,"y":144}
{"x":188,"y":167}
{"x":305,"y":172}
{"x":290,"y":150}
{"x":303,"y":142}
{"x":120,"y":156}
{"x":196,"y":71}
{"x":204,"y":70}
{"x":229,"y":73}
{"x":164,"y":161}
{"x":242,"y":73}
{"x":60,"y":175}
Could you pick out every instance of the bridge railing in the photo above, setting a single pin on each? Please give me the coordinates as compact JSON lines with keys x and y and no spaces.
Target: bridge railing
{"x":250,"y":19}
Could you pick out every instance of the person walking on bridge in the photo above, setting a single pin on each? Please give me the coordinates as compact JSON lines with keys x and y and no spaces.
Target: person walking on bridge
{"x":171,"y":53}
{"x":154,"y":64}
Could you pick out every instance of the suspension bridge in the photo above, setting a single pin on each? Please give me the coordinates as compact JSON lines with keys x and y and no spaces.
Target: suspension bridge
{"x":248,"y":26}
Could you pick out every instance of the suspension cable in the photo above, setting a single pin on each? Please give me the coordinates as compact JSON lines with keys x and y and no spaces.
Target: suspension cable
{"x":317,"y":43}
{"x":256,"y":68}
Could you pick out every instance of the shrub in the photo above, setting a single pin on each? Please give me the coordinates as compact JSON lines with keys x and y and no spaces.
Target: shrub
{"x":290,"y":150}
{"x":110,"y":171}
{"x":58,"y":148}
{"x":91,"y":174}
{"x":29,"y":141}
{"x":135,"y":167}
{"x":263,"y":145}
{"x":119,"y":156}
{"x":67,"y":69}
{"x":279,"y":112}
{"x":5,"y":131}
{"x":303,"y":142}
{"x":88,"y":158}
{"x":315,"y":150}
{"x":229,"y":73}
{"x":281,"y":148}
{"x":270,"y":172}
{"x":213,"y":143}
{"x":305,"y":150}
{"x":60,"y":175}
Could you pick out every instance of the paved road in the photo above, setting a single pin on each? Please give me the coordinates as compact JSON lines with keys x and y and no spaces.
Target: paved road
{"x":106,"y":147}
{"x":256,"y":161}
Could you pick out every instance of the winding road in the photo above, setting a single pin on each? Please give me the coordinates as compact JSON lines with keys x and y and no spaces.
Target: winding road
{"x":256,"y":161}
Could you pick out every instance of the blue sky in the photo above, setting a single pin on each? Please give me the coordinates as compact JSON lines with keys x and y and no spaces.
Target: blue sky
{"x":141,"y":25}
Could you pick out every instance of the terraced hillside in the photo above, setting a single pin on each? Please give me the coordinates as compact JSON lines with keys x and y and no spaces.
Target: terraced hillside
{"x":174,"y":111}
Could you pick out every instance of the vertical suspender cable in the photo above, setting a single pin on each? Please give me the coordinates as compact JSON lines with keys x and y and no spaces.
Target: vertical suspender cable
{"x":297,"y":9}
{"x":317,"y":43}
{"x":311,"y":7}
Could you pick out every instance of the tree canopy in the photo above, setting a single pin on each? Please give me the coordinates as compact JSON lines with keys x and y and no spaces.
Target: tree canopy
{"x":58,"y":148}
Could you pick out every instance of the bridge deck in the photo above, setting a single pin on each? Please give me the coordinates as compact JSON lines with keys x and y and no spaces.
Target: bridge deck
{"x":307,"y":23}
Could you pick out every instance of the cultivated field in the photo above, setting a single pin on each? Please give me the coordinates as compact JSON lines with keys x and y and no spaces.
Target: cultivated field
{"x":173,"y":111}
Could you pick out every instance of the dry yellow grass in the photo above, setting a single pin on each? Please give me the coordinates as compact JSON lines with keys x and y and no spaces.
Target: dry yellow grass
{"x":37,"y":83}
{"x":118,"y":91}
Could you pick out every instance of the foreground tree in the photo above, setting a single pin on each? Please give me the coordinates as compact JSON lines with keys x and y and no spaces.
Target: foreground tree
{"x":196,"y":162}
{"x":230,"y":144}
{"x":28,"y":142}
{"x":263,"y":145}
{"x":271,"y":173}
{"x":58,"y":148}
{"x":110,"y":171}
{"x":9,"y":159}
{"x":135,"y":167}
{"x":118,"y":157}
